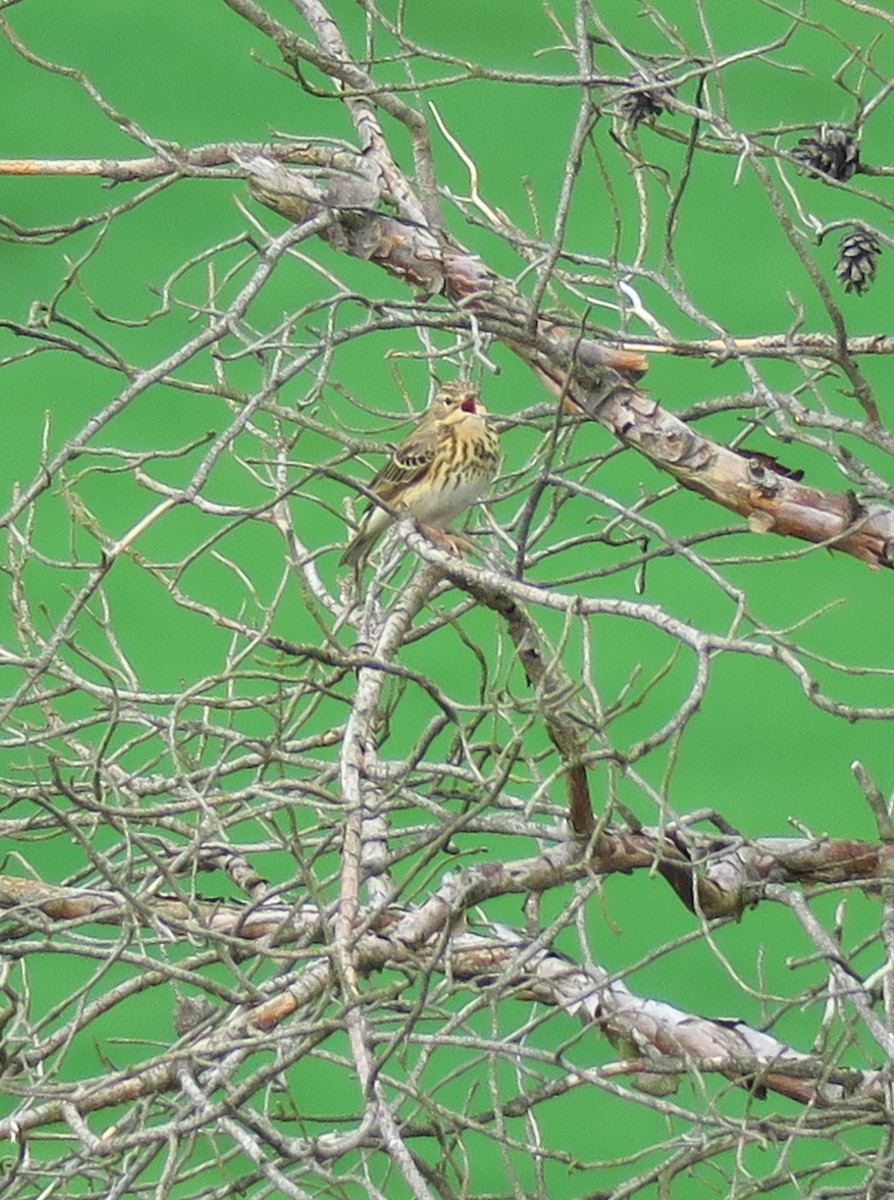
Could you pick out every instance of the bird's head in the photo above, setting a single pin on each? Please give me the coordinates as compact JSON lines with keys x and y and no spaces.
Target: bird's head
{"x":457,"y":397}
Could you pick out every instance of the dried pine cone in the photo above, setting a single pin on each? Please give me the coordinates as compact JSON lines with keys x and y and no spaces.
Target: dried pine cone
{"x":831,"y":151}
{"x":857,"y":259}
{"x":646,"y":103}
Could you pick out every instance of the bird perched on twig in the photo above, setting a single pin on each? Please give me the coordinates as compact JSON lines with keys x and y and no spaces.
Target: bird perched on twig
{"x":440,"y":469}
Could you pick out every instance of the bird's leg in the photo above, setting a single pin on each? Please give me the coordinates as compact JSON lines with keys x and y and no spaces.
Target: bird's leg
{"x":449,"y":541}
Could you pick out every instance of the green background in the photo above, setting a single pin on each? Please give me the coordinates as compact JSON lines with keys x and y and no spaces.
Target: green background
{"x":756,"y":751}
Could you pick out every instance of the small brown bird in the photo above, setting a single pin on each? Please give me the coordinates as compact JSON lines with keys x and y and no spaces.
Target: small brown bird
{"x":440,"y":469}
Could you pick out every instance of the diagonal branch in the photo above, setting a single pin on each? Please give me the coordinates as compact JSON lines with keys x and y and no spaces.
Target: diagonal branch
{"x":657,"y":1037}
{"x":555,"y":692}
{"x":590,"y":376}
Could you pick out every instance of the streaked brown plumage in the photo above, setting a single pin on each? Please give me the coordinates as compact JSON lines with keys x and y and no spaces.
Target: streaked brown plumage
{"x":438,"y":471}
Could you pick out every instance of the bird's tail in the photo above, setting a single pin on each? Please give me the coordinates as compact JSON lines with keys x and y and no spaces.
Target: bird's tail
{"x":357,"y":550}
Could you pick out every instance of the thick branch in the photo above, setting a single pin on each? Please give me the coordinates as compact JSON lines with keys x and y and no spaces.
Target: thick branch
{"x":595,"y":378}
{"x":187,"y":161}
{"x":724,"y":874}
{"x":662,"y":1035}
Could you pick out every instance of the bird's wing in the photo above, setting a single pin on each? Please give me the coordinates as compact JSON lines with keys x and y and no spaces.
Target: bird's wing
{"x":408,"y":462}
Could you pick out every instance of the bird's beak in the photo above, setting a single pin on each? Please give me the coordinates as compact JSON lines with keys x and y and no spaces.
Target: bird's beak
{"x":470,"y":404}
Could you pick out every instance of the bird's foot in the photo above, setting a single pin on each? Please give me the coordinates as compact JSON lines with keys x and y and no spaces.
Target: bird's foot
{"x":450,"y":541}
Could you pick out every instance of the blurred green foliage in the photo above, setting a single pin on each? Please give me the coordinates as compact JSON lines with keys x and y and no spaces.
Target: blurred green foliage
{"x":756,"y":751}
